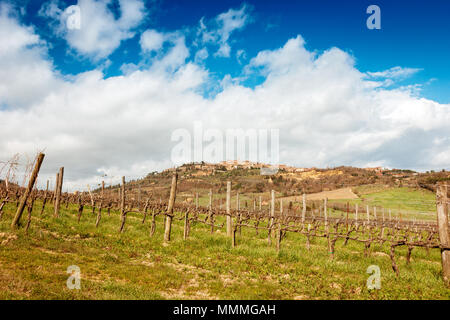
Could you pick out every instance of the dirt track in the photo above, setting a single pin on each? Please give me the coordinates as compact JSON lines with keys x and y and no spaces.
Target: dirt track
{"x":344,"y":193}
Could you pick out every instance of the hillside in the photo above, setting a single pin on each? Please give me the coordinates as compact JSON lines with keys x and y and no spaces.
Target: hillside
{"x":340,"y":183}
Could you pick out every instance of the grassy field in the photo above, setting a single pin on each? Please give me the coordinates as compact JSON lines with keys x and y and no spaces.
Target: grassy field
{"x":409,"y":202}
{"x":133,"y":265}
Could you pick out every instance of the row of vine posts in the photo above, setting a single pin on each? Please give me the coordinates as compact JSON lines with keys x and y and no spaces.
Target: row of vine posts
{"x":278,"y":225}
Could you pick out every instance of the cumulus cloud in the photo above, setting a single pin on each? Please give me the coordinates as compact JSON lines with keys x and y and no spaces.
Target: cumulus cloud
{"x":100,"y":33}
{"x":327,"y":111}
{"x":26,"y":76}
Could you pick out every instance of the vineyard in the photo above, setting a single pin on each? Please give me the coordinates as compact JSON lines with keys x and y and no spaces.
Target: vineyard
{"x":333,"y":239}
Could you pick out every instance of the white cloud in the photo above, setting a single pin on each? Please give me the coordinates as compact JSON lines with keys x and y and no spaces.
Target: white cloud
{"x":398,"y":73}
{"x":230,"y":21}
{"x":26,"y":77}
{"x":164,"y":60}
{"x":100,"y":33}
{"x":241,"y":56}
{"x":151,"y":40}
{"x":201,"y":55}
{"x":222,"y":27}
{"x":327,"y":111}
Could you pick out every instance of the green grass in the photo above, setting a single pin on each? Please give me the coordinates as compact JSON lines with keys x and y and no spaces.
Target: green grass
{"x":133,"y":265}
{"x":409,"y":202}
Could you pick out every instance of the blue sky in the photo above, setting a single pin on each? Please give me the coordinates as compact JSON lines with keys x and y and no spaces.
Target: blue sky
{"x":110,"y":96}
{"x":414,"y":34}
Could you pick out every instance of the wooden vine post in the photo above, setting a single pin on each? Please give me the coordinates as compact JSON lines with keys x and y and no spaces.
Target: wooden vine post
{"x":211,"y":214}
{"x":271,"y":218}
{"x":123,"y":214}
{"x":169,"y":215}
{"x":59,"y":184}
{"x":186,"y":225}
{"x":444,"y":238}
{"x":304,"y":208}
{"x":210,"y":199}
{"x":56,"y":188}
{"x":238,"y":213}
{"x":99,"y":214}
{"x":31,"y":182}
{"x":229,"y":231}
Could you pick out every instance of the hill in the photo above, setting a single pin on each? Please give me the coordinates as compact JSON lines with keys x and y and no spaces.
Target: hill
{"x":290,"y":183}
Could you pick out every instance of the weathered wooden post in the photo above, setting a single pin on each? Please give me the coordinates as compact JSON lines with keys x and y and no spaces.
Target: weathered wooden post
{"x":279,"y":235}
{"x":443,"y":229}
{"x":56,"y":188}
{"x":99,"y":214}
{"x":80,"y":207}
{"x":169,"y":214}
{"x":271,"y":218}
{"x":233,"y":234}
{"x":211,"y":215}
{"x":238,"y":213}
{"x":31,"y":182}
{"x":58,"y":191}
{"x":304,"y":208}
{"x":346,"y":216}
{"x":229,"y":226}
{"x":356,"y":214}
{"x":30,"y":209}
{"x":186,"y":225}
{"x":210,"y":199}
{"x":123,"y":214}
